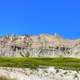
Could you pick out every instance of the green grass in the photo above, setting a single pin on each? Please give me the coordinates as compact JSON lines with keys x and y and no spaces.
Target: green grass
{"x":59,"y":62}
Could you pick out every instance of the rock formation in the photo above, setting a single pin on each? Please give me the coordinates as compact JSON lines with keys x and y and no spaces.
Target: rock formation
{"x":49,"y":73}
{"x":43,"y":45}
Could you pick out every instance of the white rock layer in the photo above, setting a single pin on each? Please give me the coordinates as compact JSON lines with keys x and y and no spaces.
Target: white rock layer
{"x":40,"y":74}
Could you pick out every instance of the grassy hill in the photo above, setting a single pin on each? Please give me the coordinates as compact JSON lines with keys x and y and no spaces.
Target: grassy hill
{"x":33,"y":63}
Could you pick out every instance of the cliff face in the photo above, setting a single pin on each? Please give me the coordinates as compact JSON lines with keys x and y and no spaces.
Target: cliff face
{"x":39,"y":46}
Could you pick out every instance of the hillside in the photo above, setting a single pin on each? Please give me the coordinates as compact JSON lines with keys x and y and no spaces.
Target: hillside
{"x":43,"y":45}
{"x":39,"y":57}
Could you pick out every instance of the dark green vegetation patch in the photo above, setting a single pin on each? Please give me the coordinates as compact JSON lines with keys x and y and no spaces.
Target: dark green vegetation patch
{"x":59,"y":62}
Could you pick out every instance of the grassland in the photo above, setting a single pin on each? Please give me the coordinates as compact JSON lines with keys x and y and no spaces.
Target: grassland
{"x":59,"y":62}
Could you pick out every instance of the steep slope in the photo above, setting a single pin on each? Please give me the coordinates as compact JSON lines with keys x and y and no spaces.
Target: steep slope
{"x":43,"y":45}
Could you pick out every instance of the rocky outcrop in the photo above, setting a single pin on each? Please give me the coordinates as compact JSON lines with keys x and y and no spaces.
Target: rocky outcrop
{"x":39,"y":46}
{"x":48,"y":73}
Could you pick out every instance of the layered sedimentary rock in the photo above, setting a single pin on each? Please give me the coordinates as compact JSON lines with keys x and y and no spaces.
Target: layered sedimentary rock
{"x":43,"y":45}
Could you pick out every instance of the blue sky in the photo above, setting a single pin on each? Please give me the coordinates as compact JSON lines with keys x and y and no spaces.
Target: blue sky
{"x":40,"y":16}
